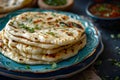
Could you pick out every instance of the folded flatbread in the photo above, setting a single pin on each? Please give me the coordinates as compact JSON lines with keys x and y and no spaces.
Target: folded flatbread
{"x":42,"y":38}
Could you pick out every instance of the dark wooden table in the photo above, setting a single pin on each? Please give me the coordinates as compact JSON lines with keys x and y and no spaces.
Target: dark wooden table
{"x":107,"y":65}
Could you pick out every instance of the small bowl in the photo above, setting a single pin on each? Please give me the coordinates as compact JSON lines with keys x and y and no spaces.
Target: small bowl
{"x":102,"y":21}
{"x":67,"y":6}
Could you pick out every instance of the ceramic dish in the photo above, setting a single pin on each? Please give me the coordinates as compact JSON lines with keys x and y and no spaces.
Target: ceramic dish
{"x":78,"y":62}
{"x":104,"y":21}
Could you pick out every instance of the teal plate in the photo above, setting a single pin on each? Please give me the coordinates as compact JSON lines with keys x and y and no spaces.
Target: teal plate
{"x":93,"y":39}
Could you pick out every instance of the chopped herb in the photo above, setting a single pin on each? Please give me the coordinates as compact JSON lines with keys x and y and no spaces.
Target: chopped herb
{"x":112,"y":36}
{"x":102,"y":8}
{"x":117,"y":78}
{"x":23,"y":26}
{"x":118,"y":35}
{"x":76,"y":60}
{"x":118,"y":53}
{"x":55,"y":2}
{"x":51,"y":33}
{"x":27,"y":67}
{"x":43,"y":22}
{"x":63,"y":24}
{"x":36,"y":27}
{"x":74,"y":24}
{"x":53,"y":14}
{"x":54,"y":65}
{"x":31,"y":30}
{"x":115,"y":62}
{"x":112,"y":60}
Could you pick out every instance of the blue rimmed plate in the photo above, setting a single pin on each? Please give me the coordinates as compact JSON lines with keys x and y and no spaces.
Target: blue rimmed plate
{"x":10,"y":67}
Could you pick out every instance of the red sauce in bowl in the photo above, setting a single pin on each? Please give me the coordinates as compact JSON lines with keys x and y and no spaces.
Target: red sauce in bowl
{"x":105,"y":10}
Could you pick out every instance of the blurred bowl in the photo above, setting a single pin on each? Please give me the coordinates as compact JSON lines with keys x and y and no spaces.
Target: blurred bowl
{"x":103,"y":21}
{"x":66,"y":6}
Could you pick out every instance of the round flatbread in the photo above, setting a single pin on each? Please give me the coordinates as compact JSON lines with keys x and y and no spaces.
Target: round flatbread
{"x":36,"y":26}
{"x":33,"y":49}
{"x":22,"y":57}
{"x":41,"y":38}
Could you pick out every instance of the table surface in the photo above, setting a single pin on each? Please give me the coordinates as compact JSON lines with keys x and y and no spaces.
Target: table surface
{"x":104,"y":66}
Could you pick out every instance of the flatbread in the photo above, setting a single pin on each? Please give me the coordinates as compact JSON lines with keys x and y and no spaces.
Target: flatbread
{"x":45,"y":58}
{"x":20,"y":59}
{"x":33,"y":49}
{"x":41,"y":38}
{"x":61,"y":32}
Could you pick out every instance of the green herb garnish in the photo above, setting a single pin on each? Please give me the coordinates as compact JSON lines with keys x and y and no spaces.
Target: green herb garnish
{"x":115,"y":62}
{"x":118,"y":53}
{"x":31,"y":30}
{"x":63,"y":24}
{"x":117,"y":78}
{"x":27,"y":67}
{"x":118,"y":35}
{"x":112,"y":36}
{"x":51,"y":33}
{"x":37,"y":27}
{"x":115,"y":36}
{"x":54,"y":65}
{"x":101,"y":8}
{"x":55,"y":2}
{"x":53,"y":14}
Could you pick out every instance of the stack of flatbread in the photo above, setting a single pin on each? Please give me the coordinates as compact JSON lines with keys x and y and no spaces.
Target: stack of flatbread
{"x":42,"y":38}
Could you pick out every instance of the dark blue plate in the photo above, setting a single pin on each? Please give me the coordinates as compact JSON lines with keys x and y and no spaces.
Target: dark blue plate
{"x":55,"y":74}
{"x":105,"y":22}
